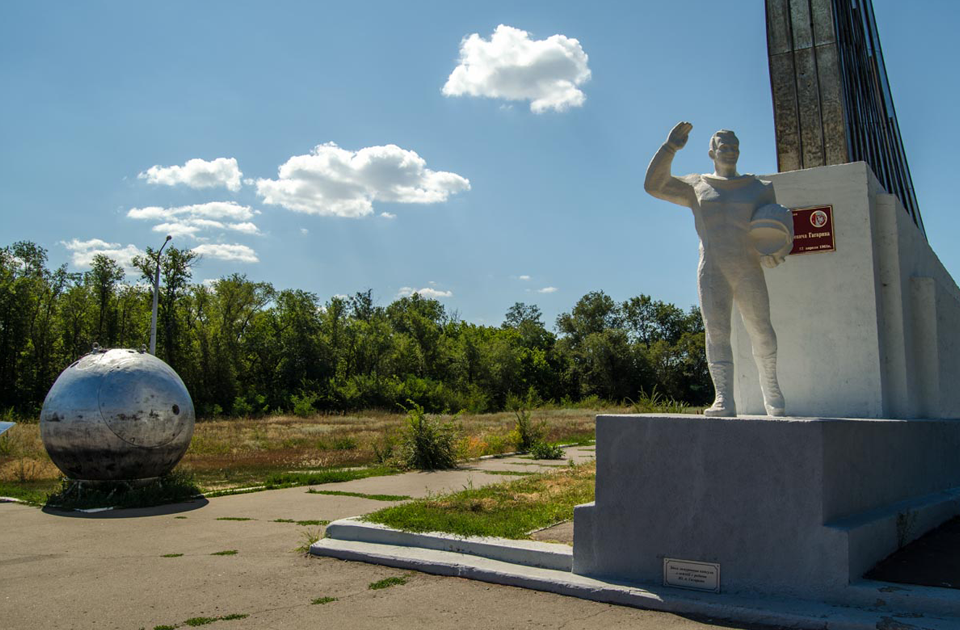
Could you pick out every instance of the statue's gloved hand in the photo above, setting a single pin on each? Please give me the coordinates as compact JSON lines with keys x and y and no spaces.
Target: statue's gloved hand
{"x":678,"y":136}
{"x":771,"y":261}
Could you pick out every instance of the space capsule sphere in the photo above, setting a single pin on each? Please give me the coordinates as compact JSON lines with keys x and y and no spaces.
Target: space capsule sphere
{"x":117,"y":415}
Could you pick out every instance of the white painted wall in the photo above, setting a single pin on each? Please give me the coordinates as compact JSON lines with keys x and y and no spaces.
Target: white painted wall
{"x":870,"y":330}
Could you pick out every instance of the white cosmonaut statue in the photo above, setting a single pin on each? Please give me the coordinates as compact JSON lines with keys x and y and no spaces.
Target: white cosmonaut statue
{"x":741,"y":227}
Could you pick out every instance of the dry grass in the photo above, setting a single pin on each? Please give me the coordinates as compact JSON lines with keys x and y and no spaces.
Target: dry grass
{"x":238,"y":453}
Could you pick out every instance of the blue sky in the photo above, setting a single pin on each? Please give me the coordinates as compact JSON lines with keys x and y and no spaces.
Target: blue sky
{"x":504,"y":202}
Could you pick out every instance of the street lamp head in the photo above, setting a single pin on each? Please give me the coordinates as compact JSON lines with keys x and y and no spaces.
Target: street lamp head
{"x":169,"y":237}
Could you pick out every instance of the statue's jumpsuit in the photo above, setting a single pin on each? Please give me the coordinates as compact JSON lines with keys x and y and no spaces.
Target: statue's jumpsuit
{"x":730,"y":269}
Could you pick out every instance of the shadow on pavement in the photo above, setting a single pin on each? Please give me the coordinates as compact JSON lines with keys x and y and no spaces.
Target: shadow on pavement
{"x":158,"y":510}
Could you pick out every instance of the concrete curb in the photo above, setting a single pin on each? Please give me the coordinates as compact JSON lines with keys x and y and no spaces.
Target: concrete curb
{"x":529,"y":553}
{"x":789,"y":613}
{"x":864,"y":605}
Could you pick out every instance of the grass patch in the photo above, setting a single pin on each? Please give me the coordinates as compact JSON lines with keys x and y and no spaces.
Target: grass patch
{"x":519,"y":473}
{"x":172,"y":555}
{"x":323,"y":600}
{"x":234,"y":518}
{"x":174,"y":487}
{"x":33,"y":492}
{"x":292,"y":479}
{"x":508,"y":510}
{"x":180,"y":517}
{"x":226,"y":552}
{"x":387,"y":583}
{"x":375,"y":497}
{"x":193,"y":622}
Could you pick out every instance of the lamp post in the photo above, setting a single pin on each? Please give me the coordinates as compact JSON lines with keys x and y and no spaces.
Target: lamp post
{"x":156,"y":295}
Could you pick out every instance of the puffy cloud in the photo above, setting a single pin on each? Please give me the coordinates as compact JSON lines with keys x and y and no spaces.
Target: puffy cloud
{"x":427,"y":292}
{"x":388,"y":215}
{"x":331,"y":181}
{"x":512,"y":66}
{"x":524,"y":277}
{"x":548,"y":290}
{"x":197,"y":173}
{"x":82,"y":252}
{"x":233,"y":253}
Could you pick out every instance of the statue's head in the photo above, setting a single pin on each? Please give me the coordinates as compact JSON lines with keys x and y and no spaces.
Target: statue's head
{"x":724,"y":148}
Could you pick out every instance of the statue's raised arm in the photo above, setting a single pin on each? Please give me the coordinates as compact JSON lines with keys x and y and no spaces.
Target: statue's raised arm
{"x":659,"y":182}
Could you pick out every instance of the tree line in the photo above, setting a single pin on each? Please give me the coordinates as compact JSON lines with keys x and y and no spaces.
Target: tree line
{"x":246,"y":348}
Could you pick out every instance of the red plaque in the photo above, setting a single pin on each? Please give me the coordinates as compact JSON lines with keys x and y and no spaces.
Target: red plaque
{"x":813,"y":230}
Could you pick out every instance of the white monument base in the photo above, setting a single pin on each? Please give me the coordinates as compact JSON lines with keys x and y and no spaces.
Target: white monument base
{"x":787,"y":506}
{"x":867,"y":331}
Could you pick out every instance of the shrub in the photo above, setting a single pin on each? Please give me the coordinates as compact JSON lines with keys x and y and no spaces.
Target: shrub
{"x":303,"y":404}
{"x":525,"y":433}
{"x":428,"y":442}
{"x":542,"y":450}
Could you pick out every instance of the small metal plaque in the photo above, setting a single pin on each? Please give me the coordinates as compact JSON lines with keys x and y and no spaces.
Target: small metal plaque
{"x":813,"y":230}
{"x":696,"y":576}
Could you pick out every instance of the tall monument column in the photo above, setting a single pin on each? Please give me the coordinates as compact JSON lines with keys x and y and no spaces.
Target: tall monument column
{"x":831,"y":97}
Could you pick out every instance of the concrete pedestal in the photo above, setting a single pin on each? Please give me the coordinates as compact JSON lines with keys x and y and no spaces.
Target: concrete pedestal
{"x":789,"y":506}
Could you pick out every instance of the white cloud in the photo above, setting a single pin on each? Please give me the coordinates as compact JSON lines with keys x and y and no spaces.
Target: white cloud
{"x":548,"y":290}
{"x":304,"y":231}
{"x":331,"y":181}
{"x":190,"y":220}
{"x":525,"y":278}
{"x":388,"y":215}
{"x":210,"y":210}
{"x":512,"y":66}
{"x":246,"y":228}
{"x":427,"y":292}
{"x":197,"y":173}
{"x":233,"y":253}
{"x":84,"y":251}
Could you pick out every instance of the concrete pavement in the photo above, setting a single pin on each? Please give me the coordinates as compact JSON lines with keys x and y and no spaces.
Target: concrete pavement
{"x":107,"y":570}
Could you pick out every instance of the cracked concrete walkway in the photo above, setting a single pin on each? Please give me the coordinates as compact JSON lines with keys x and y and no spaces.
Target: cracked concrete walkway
{"x":107,"y":570}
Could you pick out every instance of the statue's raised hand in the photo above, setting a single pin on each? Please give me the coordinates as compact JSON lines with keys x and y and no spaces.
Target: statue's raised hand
{"x":678,"y":135}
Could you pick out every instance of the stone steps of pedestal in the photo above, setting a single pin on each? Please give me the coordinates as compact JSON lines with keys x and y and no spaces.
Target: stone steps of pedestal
{"x":529,"y":553}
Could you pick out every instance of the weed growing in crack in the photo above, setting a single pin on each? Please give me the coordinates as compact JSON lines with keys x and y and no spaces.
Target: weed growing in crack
{"x":323,"y":600}
{"x":307,"y":538}
{"x":387,"y":583}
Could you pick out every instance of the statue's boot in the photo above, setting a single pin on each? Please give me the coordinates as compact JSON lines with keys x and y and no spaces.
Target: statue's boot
{"x":723,"y":405}
{"x":772,"y":396}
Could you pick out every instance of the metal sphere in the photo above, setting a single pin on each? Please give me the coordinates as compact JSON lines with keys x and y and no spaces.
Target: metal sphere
{"x":117,"y":415}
